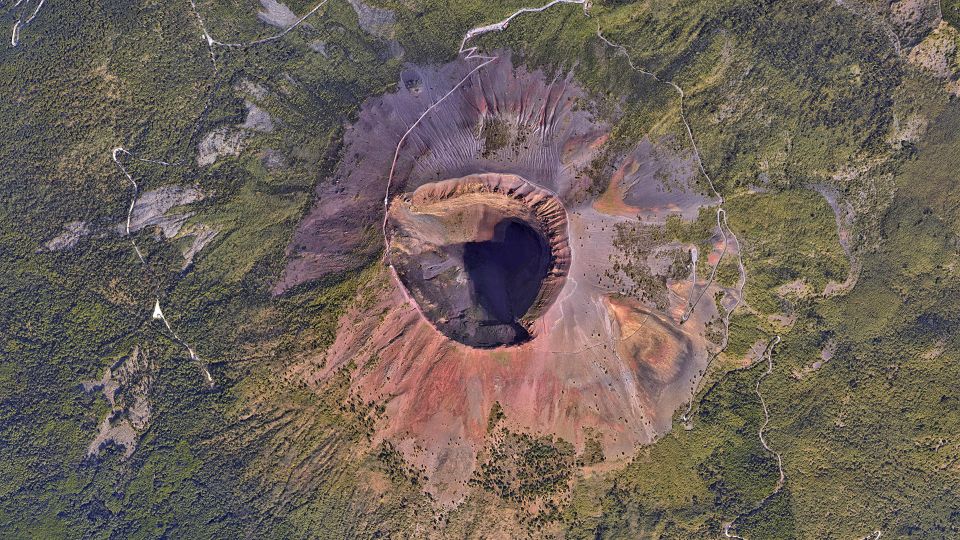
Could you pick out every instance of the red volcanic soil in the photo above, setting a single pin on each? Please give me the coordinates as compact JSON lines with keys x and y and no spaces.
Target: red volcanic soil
{"x":438,"y":393}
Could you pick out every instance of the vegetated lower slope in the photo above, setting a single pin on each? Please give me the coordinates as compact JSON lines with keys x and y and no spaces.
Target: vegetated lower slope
{"x":868,"y":435}
{"x":85,"y":79}
{"x":780,"y":95}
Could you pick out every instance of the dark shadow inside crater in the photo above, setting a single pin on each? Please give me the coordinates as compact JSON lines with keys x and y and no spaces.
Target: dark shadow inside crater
{"x":506,"y":274}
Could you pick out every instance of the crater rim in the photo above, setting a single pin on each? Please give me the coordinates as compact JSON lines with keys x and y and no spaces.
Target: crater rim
{"x":427,"y":232}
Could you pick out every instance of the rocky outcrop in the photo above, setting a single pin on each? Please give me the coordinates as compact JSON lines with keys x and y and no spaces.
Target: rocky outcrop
{"x":126,"y":386}
{"x":257,"y":119}
{"x":154,"y":209}
{"x":69,"y":238}
{"x":913,"y":19}
{"x":202,"y":235}
{"x":159,"y":209}
{"x":378,"y":22}
{"x":221,"y":142}
{"x":226,"y":141}
{"x":276,"y":14}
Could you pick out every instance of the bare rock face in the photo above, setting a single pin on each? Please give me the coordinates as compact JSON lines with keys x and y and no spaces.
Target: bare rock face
{"x":484,"y":255}
{"x":156,"y":208}
{"x":257,"y":119}
{"x":220,"y":142}
{"x":69,"y":238}
{"x":937,"y":55}
{"x":276,"y":14}
{"x":126,"y":386}
{"x":202,"y":235}
{"x":378,"y":22}
{"x":226,"y":141}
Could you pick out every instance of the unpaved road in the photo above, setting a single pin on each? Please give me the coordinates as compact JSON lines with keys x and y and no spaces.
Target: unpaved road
{"x":117,"y":152}
{"x":768,"y":356}
{"x":211,"y":41}
{"x":721,"y":213}
{"x":157,"y":312}
{"x":20,"y":24}
{"x":726,"y":233}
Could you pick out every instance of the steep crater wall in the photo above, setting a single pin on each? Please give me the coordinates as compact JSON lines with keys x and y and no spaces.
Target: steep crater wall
{"x":484,"y":256}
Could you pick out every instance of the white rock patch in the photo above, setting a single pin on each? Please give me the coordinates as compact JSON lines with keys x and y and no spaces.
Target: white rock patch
{"x":126,"y":386}
{"x":276,"y":14}
{"x":69,"y":238}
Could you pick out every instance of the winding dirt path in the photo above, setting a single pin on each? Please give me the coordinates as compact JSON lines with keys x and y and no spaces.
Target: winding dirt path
{"x":157,"y":311}
{"x":721,"y":213}
{"x":211,"y":43}
{"x":768,"y":356}
{"x":766,"y":413}
{"x":21,"y":24}
{"x":726,"y":233}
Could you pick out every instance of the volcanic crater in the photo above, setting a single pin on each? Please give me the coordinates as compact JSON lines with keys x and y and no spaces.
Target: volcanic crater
{"x":483,"y":256}
{"x":511,"y":270}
